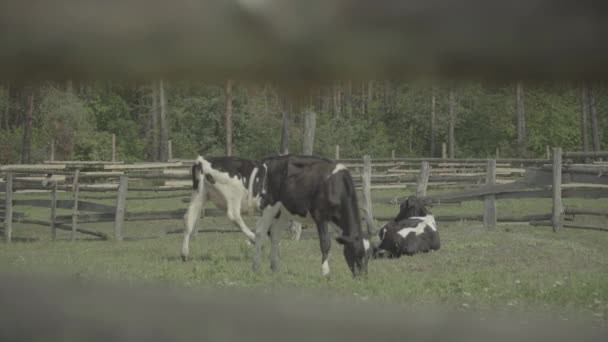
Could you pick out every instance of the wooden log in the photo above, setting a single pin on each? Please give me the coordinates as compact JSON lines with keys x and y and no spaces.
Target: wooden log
{"x":121,"y":207}
{"x":423,"y":179}
{"x":141,"y":216}
{"x":489,"y":213}
{"x":444,"y":151}
{"x":8,"y":208}
{"x":52,"y":150}
{"x":479,"y":217}
{"x":549,"y":223}
{"x":152,"y":197}
{"x":113,"y":157}
{"x":367,"y":196}
{"x":558,"y":209}
{"x":170,"y":150}
{"x":53,"y":211}
{"x":206,"y":230}
{"x":393,"y":154}
{"x":309,"y":132}
{"x":135,"y":166}
{"x":585,"y":211}
{"x":583,"y":155}
{"x":68,"y":204}
{"x":63,"y":227}
{"x":337,"y":152}
{"x":75,"y":207}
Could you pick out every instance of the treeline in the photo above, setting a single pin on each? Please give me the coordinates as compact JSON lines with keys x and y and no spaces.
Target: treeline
{"x":245,"y":118}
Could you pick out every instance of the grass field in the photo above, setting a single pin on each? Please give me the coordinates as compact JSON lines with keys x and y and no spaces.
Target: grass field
{"x":517,"y":268}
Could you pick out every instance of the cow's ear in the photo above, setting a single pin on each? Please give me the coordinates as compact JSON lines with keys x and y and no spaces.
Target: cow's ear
{"x":344,"y":239}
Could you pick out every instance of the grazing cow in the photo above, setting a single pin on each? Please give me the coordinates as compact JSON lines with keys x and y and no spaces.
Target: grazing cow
{"x":412,"y":231}
{"x":310,"y":189}
{"x":231,"y":183}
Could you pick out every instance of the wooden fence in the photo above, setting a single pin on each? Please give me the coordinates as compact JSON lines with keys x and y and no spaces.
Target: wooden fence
{"x":486,"y":180}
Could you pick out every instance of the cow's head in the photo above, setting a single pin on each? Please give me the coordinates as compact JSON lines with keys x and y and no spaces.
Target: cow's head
{"x":357,"y":251}
{"x":412,"y":207}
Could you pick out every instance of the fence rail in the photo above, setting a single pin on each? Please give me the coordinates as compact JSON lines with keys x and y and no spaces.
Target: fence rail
{"x":496,"y":180}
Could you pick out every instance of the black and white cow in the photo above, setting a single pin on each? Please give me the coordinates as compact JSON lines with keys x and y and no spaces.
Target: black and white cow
{"x":231,"y":183}
{"x":310,"y":189}
{"x":412,"y":231}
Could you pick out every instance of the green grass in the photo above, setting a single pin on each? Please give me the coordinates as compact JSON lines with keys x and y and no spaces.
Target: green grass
{"x":517,"y":268}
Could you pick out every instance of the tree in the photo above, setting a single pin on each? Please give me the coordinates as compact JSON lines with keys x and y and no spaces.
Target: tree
{"x":452,"y":112}
{"x":229,"y":118}
{"x":584,"y":117}
{"x":164,"y":138}
{"x":433,"y":129}
{"x":594,"y":123}
{"x":521,"y":118}
{"x":27,"y":128}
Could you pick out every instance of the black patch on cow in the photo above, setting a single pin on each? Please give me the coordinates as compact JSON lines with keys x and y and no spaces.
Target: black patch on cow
{"x":411,"y":207}
{"x":234,"y":166}
{"x":210,"y":179}
{"x":196,"y":171}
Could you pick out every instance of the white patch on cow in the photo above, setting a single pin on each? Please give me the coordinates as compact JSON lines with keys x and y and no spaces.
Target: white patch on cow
{"x":325,"y":268}
{"x":426,"y":221}
{"x":338,"y":168}
{"x":366,"y":244}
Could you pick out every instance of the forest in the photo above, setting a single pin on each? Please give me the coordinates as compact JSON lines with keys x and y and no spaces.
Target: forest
{"x":245,"y":118}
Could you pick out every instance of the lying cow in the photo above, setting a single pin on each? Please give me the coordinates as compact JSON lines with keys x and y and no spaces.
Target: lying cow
{"x":309,"y":189}
{"x":231,"y":183}
{"x":412,"y":231}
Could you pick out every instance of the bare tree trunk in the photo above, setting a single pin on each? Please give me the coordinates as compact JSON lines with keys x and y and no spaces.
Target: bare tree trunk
{"x":594,"y":123}
{"x":521,"y":119}
{"x":7,"y":107}
{"x":370,"y":93}
{"x":69,"y":87}
{"x":27,"y":129}
{"x":154,"y":124}
{"x":284,"y":149}
{"x":163,"y":123}
{"x":348,"y":99}
{"x":584,"y":117}
{"x":309,"y":132}
{"x":452,"y":111}
{"x":363,"y":99}
{"x":337,"y":96}
{"x":229,"y":118}
{"x":433,"y":129}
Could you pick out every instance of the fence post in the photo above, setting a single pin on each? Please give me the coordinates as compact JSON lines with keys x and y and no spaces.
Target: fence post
{"x":337,"y":152}
{"x":113,"y":148}
{"x":121,"y":207}
{"x":52,"y":150}
{"x":548,"y":152}
{"x":75,"y":207}
{"x":489,"y":201}
{"x":444,"y":151}
{"x":366,"y":177}
{"x":393,"y":154}
{"x":54,"y":211}
{"x":423,"y":179}
{"x":170,"y":150}
{"x":558,"y":209}
{"x":8,"y":208}
{"x":497,"y":153}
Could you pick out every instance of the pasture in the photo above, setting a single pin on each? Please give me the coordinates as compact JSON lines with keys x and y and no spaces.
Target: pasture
{"x":515,"y":269}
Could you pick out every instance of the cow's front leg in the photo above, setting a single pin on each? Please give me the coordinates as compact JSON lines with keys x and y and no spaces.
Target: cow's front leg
{"x":325,"y":242}
{"x":261,"y":231}
{"x":191,"y":217}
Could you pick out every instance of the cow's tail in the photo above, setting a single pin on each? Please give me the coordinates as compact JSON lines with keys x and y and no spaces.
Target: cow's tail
{"x":197,"y":172}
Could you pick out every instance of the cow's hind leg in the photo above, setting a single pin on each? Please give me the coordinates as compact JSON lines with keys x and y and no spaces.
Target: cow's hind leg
{"x":234,"y":214}
{"x":191,"y":217}
{"x":325,"y":243}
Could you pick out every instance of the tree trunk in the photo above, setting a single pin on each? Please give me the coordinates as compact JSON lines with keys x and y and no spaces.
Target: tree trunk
{"x":155,"y":151}
{"x":584,"y":117}
{"x":229,"y":118}
{"x":594,"y":123}
{"x":433,"y":129}
{"x":337,"y":96}
{"x":521,"y":119}
{"x":370,"y":93}
{"x":452,"y":112}
{"x":348,"y":99}
{"x":7,"y":107}
{"x":69,"y":87}
{"x":309,"y":132}
{"x":27,"y":129}
{"x":163,"y":123}
{"x":284,"y":149}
